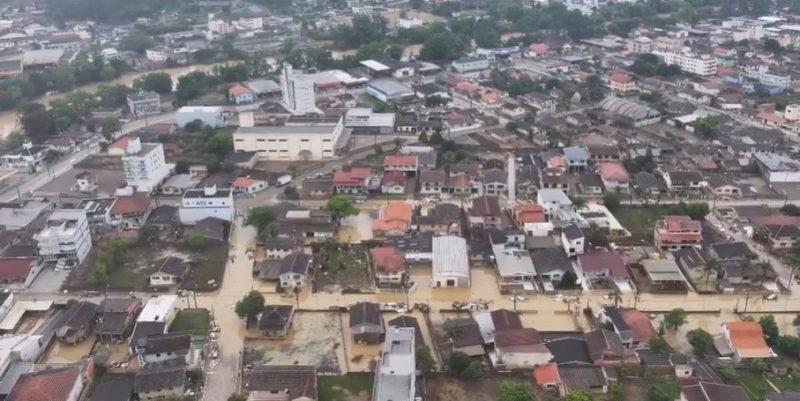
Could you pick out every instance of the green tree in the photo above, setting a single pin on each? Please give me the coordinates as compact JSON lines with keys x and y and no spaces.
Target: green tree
{"x":578,"y":396}
{"x":423,"y":137}
{"x":196,"y":242}
{"x":424,"y":360}
{"x":472,"y":371}
{"x":511,"y":391}
{"x":219,"y":144}
{"x":238,"y":397}
{"x":260,"y":218}
{"x":435,"y":138}
{"x":148,"y":234}
{"x":674,"y":319}
{"x":707,"y":127}
{"x":701,"y":341}
{"x":788,"y":344}
{"x":111,"y":126}
{"x":790,"y":209}
{"x":568,"y":281}
{"x":663,"y":391}
{"x":772,"y":45}
{"x":250,"y":306}
{"x":616,"y":392}
{"x":458,"y":362}
{"x":697,"y":210}
{"x":611,"y":201}
{"x":113,"y":96}
{"x":769,"y":327}
{"x":442,"y":47}
{"x":711,"y":266}
{"x":341,"y":207}
{"x":659,"y":345}
{"x":729,"y":374}
{"x":37,"y":123}
{"x":192,"y":86}
{"x":136,"y":41}
{"x":159,"y":82}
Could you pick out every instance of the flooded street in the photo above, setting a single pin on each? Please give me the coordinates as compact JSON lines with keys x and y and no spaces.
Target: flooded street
{"x":67,"y":353}
{"x":8,"y":119}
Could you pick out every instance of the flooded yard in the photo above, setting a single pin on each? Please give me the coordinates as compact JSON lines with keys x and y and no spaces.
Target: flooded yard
{"x":314,"y":340}
{"x":342,"y":269}
{"x":356,"y":229}
{"x":66,"y":353}
{"x":711,"y":322}
{"x":554,"y":321}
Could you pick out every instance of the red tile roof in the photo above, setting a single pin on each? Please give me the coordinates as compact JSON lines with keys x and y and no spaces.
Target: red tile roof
{"x":355,"y":176}
{"x":621,"y":78}
{"x":396,"y":216}
{"x":393,"y":178}
{"x":239,"y":89}
{"x":47,"y":385}
{"x":539,"y":48}
{"x":600,"y":261}
{"x":639,"y":324}
{"x":529,"y":214}
{"x":243,"y":182}
{"x":748,"y":339}
{"x":388,"y":260}
{"x":12,"y":269}
{"x":546,"y":374}
{"x":121,"y":143}
{"x":400,"y":160}
{"x":126,"y":205}
{"x":613,"y":172}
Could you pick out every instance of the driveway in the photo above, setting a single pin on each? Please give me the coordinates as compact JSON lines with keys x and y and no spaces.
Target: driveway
{"x":48,"y":281}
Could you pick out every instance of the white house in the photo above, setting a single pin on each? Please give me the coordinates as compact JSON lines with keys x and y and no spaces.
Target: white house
{"x":199,"y":203}
{"x":450,"y":262}
{"x":66,"y":235}
{"x":145,"y":165}
{"x":520,"y":348}
{"x":160,"y":308}
{"x":552,"y":201}
{"x":573,"y":240}
{"x":27,"y":158}
{"x":396,"y":371}
{"x":208,"y":115}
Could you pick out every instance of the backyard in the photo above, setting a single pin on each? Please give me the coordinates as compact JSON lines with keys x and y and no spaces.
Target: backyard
{"x":757,"y":386}
{"x":195,"y":321}
{"x":640,"y":221}
{"x":342,"y":269}
{"x":345,"y":388}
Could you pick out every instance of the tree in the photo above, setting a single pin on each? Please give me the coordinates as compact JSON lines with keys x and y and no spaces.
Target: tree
{"x":701,"y":341}
{"x":219,"y":144}
{"x":697,"y":210}
{"x":136,"y":41}
{"x":578,"y":396}
{"x":511,"y":391}
{"x":616,"y":392}
{"x":611,"y":201}
{"x":442,"y":47}
{"x":37,"y":123}
{"x":250,"y":306}
{"x":791,"y":210}
{"x":341,"y":207}
{"x":113,"y":96}
{"x":148,"y":234}
{"x":425,"y":361}
{"x":707,"y":127}
{"x":260,"y":218}
{"x":159,"y":82}
{"x":472,"y":371}
{"x":191,"y":86}
{"x":458,"y":362}
{"x":238,"y":397}
{"x":663,"y":391}
{"x":772,"y":45}
{"x":769,"y":327}
{"x":674,"y":319}
{"x":788,"y":344}
{"x":796,"y":321}
{"x":568,"y":281}
{"x":711,"y":266}
{"x":659,"y":345}
{"x":436,"y":100}
{"x":196,"y":242}
{"x":111,"y":126}
{"x":423,"y":137}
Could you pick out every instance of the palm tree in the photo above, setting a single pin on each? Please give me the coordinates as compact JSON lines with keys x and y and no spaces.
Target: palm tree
{"x":712,"y":265}
{"x":578,"y":203}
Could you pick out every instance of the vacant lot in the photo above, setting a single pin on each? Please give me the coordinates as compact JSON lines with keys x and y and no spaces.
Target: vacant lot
{"x":345,"y":388}
{"x":195,"y":321}
{"x":343,"y":269}
{"x":444,"y":388}
{"x":313,"y":341}
{"x":640,"y":221}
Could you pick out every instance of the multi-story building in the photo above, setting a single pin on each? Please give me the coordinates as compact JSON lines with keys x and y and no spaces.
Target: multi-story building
{"x":298,"y":92}
{"x":208,"y":115}
{"x":200,"y":203}
{"x":396,"y":374}
{"x":144,"y":164}
{"x":66,"y":235}
{"x":699,"y":65}
{"x":621,"y":83}
{"x":28,"y":157}
{"x":764,"y":77}
{"x":677,"y":232}
{"x":642,"y":44}
{"x":144,"y":103}
{"x":364,"y":120}
{"x":302,"y":141}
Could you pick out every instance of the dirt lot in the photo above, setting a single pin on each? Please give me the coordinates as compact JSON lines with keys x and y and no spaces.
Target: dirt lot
{"x":313,"y":341}
{"x":342,"y":269}
{"x":444,"y":388}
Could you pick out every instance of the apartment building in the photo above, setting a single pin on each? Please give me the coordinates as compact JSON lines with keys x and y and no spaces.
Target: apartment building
{"x":144,"y":164}
{"x":677,"y":232}
{"x":200,"y":203}
{"x":699,"y":65}
{"x":65,"y":236}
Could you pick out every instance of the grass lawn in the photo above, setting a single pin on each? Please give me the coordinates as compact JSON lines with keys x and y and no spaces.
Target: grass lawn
{"x":754,"y":384}
{"x":788,"y":383}
{"x":345,"y":388}
{"x":344,"y":268}
{"x":640,"y":221}
{"x":208,"y":264}
{"x":191,"y":320}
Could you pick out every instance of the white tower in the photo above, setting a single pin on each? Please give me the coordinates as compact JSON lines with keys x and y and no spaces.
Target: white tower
{"x":512,"y":179}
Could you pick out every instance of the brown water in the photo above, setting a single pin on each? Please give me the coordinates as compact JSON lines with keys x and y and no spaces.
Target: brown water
{"x":66,"y":353}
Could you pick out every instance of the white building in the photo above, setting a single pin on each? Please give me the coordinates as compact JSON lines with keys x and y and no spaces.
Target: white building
{"x":777,"y":167}
{"x":144,"y":164}
{"x":763,"y":76}
{"x":396,"y":371}
{"x":160,"y":308}
{"x":249,"y":24}
{"x":309,"y":141}
{"x":157,"y":55}
{"x":27,"y":158}
{"x":450,"y":262}
{"x":699,"y":65}
{"x":298,"y":92}
{"x":144,"y":103}
{"x":208,"y":115}
{"x":199,"y":203}
{"x":792,"y":112}
{"x":552,"y":201}
{"x":366,"y":120}
{"x":66,"y":235}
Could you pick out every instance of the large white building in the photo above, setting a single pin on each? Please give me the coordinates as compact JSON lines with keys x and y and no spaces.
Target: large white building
{"x":296,"y":141}
{"x":298,"y":92}
{"x":450,"y":262}
{"x":366,"y":120}
{"x":699,"y":65}
{"x":208,"y":115}
{"x":396,"y":372}
{"x":65,"y":236}
{"x":200,"y":203}
{"x":144,"y":164}
{"x":777,"y":167}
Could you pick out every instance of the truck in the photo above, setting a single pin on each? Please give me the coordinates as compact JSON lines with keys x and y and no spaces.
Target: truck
{"x":283,"y":180}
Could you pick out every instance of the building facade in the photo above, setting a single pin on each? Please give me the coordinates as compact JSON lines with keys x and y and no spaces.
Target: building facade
{"x":66,"y":235}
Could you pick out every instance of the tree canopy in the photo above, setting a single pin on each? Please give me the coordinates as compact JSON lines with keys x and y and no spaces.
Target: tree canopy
{"x":674,"y":319}
{"x":707,"y":127}
{"x":159,"y":82}
{"x":341,"y":207}
{"x":511,"y":391}
{"x":251,"y":305}
{"x":701,"y":341}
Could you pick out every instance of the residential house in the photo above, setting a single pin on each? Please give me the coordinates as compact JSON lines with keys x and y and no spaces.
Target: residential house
{"x":351,"y":182}
{"x":294,"y":270}
{"x":119,"y":388}
{"x":684,"y":180}
{"x":781,"y":236}
{"x":432,"y":182}
{"x":569,"y":349}
{"x":142,"y":103}
{"x":743,"y":341}
{"x":553,"y":201}
{"x":604,"y":153}
{"x":646,"y":184}
{"x":407,"y":164}
{"x":622,"y":83}
{"x":573,"y":240}
{"x":520,"y":348}
{"x":606,"y":348}
{"x":591,"y":379}
{"x":117,"y":318}
{"x":78,"y":323}
{"x":546,"y":376}
{"x":411,"y":323}
{"x":60,"y":384}
{"x":393,"y":182}
{"x":276,"y":320}
{"x":723,"y":186}
{"x":209,"y":201}
{"x":210,"y":228}
{"x":677,"y":232}
{"x":66,"y":235}
{"x":247,"y":185}
{"x":280,"y":247}
{"x":709,"y":391}
{"x":590,"y":183}
{"x":615,"y":177}
{"x":169,"y":271}
{"x":394,"y":220}
{"x":514,"y":266}
{"x":540,"y":102}
{"x":444,"y":218}
{"x":389,"y":265}
{"x":366,"y":323}
{"x":485,"y":212}
{"x":240,"y":94}
{"x":130,"y":211}
{"x":19,"y":272}
{"x":281,"y":383}
{"x":495,"y":182}
{"x":576,"y":158}
{"x":165,"y":349}
{"x":529,"y":213}
{"x":551,"y":264}
{"x":600,"y":264}
{"x":737,"y":251}
{"x":466,"y":336}
{"x":395,"y":377}
{"x":158,"y":383}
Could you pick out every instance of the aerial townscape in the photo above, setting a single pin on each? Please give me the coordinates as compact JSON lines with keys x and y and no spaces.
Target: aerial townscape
{"x":399,"y":200}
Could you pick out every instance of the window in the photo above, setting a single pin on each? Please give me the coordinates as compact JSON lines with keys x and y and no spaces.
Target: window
{"x":282,"y":140}
{"x":304,"y":140}
{"x":260,"y":140}
{"x":239,"y":140}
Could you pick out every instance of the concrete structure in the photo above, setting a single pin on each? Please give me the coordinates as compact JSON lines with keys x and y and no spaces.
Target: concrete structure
{"x":387,"y":90}
{"x":470,"y":64}
{"x":27,"y":158}
{"x":676,"y":232}
{"x":364,"y":120}
{"x":66,"y":235}
{"x":300,"y":142}
{"x":699,"y":65}
{"x":298,"y":91}
{"x":160,"y":308}
{"x":200,"y":203}
{"x":396,"y":372}
{"x":208,"y":115}
{"x":792,"y":112}
{"x":777,"y":167}
{"x":553,"y":201}
{"x":450,"y":262}
{"x":145,"y":165}
{"x":745,"y":340}
{"x":144,"y":103}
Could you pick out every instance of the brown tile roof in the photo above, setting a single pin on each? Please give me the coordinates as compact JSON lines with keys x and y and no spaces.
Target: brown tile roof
{"x":599,"y":261}
{"x":388,"y":260}
{"x":485,"y":206}
{"x":505,"y":319}
{"x":47,"y":385}
{"x":12,"y":269}
{"x":515,"y":337}
{"x":128,"y":205}
{"x":298,"y":381}
{"x":639,"y":324}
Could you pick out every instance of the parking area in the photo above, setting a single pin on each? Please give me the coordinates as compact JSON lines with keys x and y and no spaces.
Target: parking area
{"x":310,"y":342}
{"x":65,"y":185}
{"x":48,"y":281}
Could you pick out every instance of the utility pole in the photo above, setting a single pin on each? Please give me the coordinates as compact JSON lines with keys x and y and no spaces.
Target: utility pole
{"x":746,"y":301}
